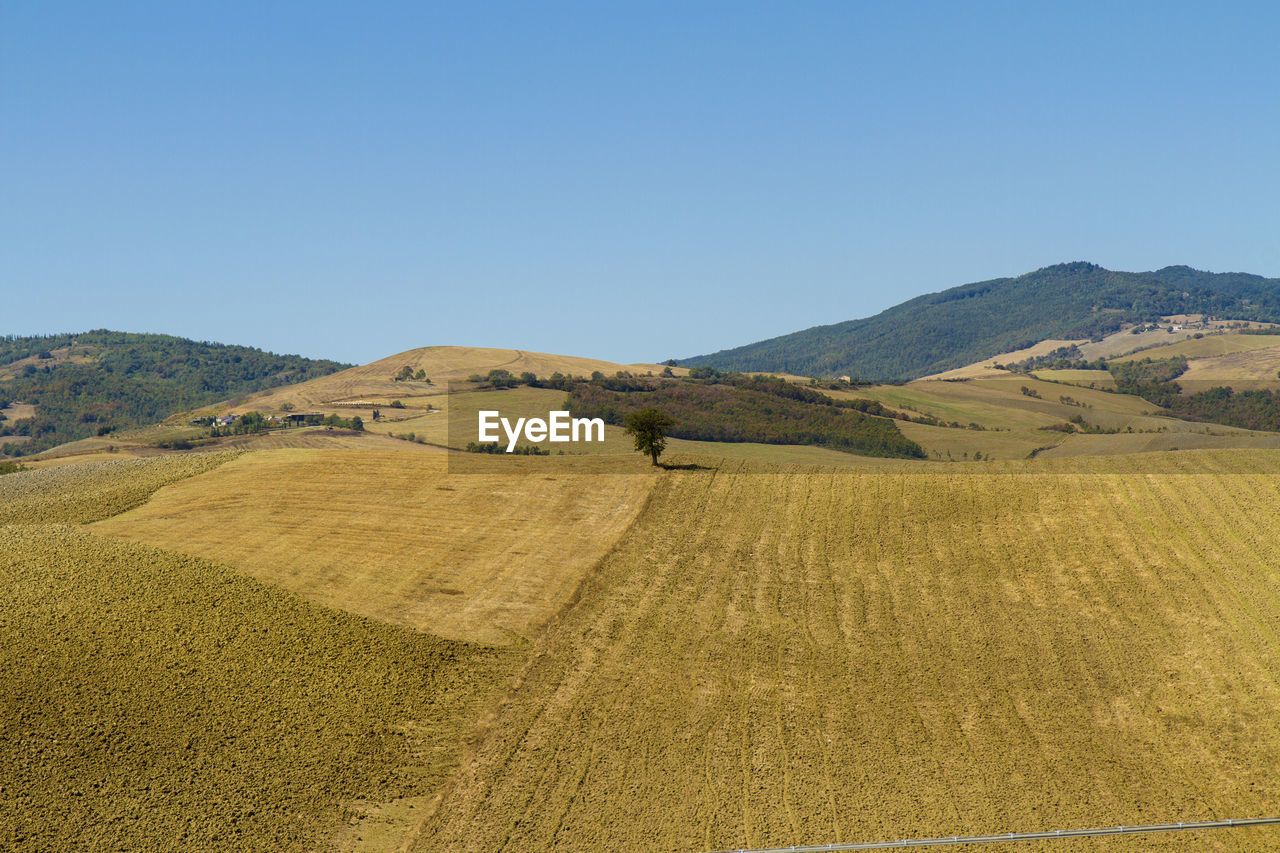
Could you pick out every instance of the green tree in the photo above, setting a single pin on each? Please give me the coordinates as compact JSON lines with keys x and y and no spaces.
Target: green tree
{"x":251,"y":422}
{"x":501,"y":378}
{"x":649,"y":428}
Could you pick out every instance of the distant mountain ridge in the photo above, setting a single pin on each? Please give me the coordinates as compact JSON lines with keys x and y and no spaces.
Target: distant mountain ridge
{"x":961,"y":325}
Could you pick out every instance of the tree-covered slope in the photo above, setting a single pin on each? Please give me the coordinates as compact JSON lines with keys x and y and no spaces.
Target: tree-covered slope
{"x":940,"y":331}
{"x":84,"y":383}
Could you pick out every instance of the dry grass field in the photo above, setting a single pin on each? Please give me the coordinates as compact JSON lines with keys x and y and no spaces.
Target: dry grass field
{"x":810,"y":657}
{"x":334,"y":641}
{"x":987,"y":367}
{"x":1210,"y":346}
{"x":1120,"y":343}
{"x":712,"y":453}
{"x":154,"y":702}
{"x":1083,"y":378}
{"x":944,"y":444}
{"x":441,"y":364}
{"x":998,"y":402}
{"x":18,"y":412}
{"x":1240,"y":361}
{"x":157,"y":702}
{"x":390,"y":535}
{"x":1125,"y":341}
{"x":1015,"y":422}
{"x":1124,"y":345}
{"x":1242,"y":370}
{"x":1206,"y":438}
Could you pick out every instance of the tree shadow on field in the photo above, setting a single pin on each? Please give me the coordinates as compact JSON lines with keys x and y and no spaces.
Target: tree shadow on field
{"x":684,"y":466}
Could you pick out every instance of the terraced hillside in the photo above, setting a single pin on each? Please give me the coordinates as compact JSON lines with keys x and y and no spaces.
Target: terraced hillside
{"x":821,"y":656}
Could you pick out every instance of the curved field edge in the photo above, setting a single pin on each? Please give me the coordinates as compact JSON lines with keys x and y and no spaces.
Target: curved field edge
{"x":390,"y":534}
{"x":812,"y":657}
{"x":154,"y":701}
{"x":92,"y":491}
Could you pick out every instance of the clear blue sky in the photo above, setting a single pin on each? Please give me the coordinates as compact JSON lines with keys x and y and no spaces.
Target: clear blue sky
{"x":631,"y":181}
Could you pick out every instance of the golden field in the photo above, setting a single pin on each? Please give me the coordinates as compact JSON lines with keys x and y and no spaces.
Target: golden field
{"x":153,"y":701}
{"x":441,"y":364}
{"x":774,"y":659}
{"x":334,"y":641}
{"x":387,"y":534}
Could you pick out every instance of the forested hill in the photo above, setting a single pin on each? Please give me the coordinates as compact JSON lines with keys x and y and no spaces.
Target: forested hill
{"x":940,"y":331}
{"x":95,"y":382}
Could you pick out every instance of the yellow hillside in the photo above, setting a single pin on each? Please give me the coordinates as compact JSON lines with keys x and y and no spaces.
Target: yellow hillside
{"x":748,"y":654}
{"x":1258,"y":368}
{"x":775,"y":659}
{"x":156,"y":702}
{"x":1216,"y":338}
{"x":441,"y":364}
{"x":1018,"y":415}
{"x":388,"y":534}
{"x":987,"y":367}
{"x":1210,"y":346}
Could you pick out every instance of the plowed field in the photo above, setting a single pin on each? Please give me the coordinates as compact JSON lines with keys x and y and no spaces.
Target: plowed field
{"x":793,"y":658}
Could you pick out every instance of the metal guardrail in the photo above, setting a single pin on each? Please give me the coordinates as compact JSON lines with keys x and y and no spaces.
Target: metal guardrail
{"x":1016,"y":836}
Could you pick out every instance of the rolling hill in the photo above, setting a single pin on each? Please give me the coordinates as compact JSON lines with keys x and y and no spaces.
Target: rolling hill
{"x":439,"y":365}
{"x":317,"y":639}
{"x":941,"y":331}
{"x":997,"y":408}
{"x":73,"y":386}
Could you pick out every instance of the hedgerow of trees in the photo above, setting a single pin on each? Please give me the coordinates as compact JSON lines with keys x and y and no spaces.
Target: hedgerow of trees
{"x":719,"y":412}
{"x":1154,"y":381}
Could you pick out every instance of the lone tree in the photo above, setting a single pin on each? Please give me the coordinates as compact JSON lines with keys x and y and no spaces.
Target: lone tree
{"x":649,"y":426}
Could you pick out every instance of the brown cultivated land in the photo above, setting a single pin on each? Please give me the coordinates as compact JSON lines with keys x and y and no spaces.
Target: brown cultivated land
{"x":157,"y":702}
{"x":831,"y":656}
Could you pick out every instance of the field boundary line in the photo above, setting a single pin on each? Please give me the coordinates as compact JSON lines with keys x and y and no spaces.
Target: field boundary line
{"x":1016,"y":836}
{"x":487,"y":722}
